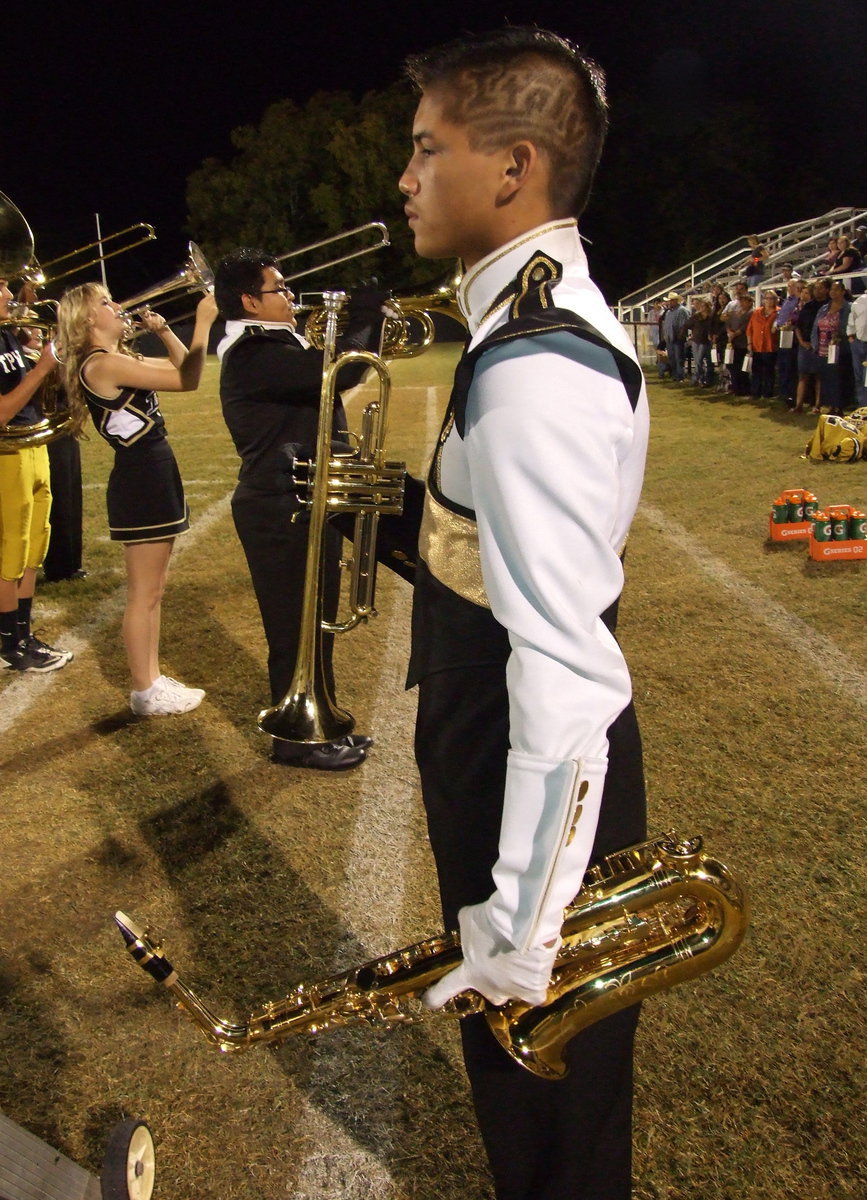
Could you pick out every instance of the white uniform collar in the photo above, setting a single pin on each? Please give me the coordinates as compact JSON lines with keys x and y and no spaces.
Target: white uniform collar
{"x":235,"y":330}
{"x":482,"y":284}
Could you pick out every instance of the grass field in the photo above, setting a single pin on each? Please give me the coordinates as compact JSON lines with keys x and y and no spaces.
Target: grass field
{"x":749,"y":665}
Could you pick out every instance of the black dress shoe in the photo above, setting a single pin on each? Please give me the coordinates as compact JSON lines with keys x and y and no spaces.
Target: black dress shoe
{"x":356,"y":739}
{"x":332,"y":756}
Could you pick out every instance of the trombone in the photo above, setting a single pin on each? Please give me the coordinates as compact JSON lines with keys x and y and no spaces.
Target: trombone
{"x":42,"y":274}
{"x":376,"y":226}
{"x":194,"y":276}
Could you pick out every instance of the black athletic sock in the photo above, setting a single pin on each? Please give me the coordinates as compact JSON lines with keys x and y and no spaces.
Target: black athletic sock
{"x":24,"y":609}
{"x":9,"y":630}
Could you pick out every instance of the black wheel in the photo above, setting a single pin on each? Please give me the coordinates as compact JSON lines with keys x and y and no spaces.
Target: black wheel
{"x":128,"y":1166}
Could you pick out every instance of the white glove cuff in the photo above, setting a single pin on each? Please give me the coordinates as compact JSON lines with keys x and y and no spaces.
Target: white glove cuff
{"x":550,"y":814}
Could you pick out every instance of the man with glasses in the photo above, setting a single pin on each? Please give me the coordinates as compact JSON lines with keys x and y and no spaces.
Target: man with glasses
{"x":270,"y":385}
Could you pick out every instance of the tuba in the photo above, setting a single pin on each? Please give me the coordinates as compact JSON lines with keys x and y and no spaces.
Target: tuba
{"x":647,"y":917}
{"x":16,"y":259}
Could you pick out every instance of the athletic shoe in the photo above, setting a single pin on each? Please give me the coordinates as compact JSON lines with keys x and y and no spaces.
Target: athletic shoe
{"x":181,"y":689}
{"x":29,"y":658}
{"x":165,"y":698}
{"x":33,"y":643}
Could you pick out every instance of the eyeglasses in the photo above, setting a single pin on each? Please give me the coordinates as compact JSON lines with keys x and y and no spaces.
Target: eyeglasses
{"x":284,"y":290}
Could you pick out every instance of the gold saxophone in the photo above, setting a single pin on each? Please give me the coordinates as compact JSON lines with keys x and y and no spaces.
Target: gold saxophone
{"x":647,"y":917}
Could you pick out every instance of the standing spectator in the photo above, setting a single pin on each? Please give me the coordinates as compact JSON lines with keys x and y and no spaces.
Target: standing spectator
{"x":813,"y":296}
{"x":787,"y":354}
{"x":762,"y":342}
{"x":857,"y":333}
{"x":736,"y":328}
{"x":719,"y":336}
{"x":831,"y":344}
{"x":699,"y":328}
{"x":755,"y":265}
{"x":674,"y":325}
{"x":739,"y":291}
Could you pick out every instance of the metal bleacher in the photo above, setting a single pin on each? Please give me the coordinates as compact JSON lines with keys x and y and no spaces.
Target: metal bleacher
{"x":803,"y":243}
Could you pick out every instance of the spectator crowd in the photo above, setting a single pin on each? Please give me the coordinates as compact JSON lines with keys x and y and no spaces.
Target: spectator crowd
{"x":804,"y":340}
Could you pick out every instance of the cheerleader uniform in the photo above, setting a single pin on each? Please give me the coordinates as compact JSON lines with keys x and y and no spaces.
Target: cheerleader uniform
{"x":145,"y":496}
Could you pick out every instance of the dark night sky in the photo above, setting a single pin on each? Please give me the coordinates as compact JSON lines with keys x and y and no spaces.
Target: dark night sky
{"x":122,"y":103}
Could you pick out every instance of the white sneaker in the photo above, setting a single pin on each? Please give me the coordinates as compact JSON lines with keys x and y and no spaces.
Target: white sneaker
{"x":164,"y":698}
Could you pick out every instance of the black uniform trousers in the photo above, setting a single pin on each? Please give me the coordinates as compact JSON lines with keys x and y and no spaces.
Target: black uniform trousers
{"x":276,"y":552}
{"x":63,"y":558}
{"x":566,"y":1139}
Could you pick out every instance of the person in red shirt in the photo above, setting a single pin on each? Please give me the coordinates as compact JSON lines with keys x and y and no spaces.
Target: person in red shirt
{"x":763,"y":340}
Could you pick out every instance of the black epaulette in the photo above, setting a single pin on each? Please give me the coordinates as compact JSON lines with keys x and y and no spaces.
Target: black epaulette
{"x":532,"y":312}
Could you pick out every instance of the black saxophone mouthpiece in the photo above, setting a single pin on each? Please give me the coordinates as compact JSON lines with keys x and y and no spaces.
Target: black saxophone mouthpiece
{"x":147,"y":954}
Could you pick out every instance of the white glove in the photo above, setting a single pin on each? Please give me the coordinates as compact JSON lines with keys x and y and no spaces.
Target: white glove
{"x":492,"y":966}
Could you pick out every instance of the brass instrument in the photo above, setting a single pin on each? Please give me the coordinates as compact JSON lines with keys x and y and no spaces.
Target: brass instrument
{"x":41,"y":275}
{"x":360,"y":482}
{"x":16,"y":241}
{"x":17,"y":262}
{"x":16,"y":256}
{"x":410,"y":331}
{"x":359,"y":230}
{"x":17,"y":248}
{"x":647,"y":917}
{"x":194,"y":276}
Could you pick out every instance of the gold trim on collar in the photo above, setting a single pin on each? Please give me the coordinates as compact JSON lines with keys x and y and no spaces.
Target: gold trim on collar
{"x":470,"y":278}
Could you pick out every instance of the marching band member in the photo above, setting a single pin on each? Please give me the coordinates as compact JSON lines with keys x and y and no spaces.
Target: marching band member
{"x":526,"y":740}
{"x":270,"y":386}
{"x":146,"y":505}
{"x":63,"y":556}
{"x":25,"y":505}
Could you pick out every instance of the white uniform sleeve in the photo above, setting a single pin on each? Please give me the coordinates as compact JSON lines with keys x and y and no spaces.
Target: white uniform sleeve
{"x":553,"y":481}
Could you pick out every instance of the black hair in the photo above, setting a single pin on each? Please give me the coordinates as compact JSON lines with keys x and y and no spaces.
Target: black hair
{"x":239,"y":274}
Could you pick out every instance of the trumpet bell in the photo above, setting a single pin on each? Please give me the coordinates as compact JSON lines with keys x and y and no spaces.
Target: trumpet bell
{"x":308,"y":716}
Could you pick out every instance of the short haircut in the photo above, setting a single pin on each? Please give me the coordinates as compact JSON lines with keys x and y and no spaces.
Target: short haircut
{"x":240,"y":274}
{"x":521,"y":82}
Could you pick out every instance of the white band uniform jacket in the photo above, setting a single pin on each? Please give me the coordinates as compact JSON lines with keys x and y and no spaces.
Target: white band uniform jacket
{"x":551,"y":464}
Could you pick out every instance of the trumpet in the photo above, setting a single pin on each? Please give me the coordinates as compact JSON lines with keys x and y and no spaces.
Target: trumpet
{"x":647,"y":917}
{"x":360,"y":482}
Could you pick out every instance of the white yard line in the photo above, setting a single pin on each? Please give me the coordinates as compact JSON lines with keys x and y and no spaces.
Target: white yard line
{"x":805,"y":643}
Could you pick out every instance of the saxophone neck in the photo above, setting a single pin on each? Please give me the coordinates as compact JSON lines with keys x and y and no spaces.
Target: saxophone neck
{"x":150,"y":957}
